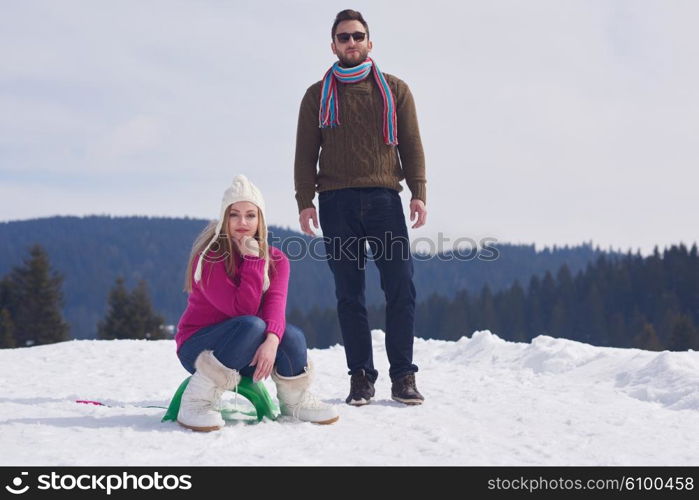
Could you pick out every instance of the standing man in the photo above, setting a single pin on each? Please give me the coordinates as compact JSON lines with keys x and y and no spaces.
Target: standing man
{"x":362,"y":125}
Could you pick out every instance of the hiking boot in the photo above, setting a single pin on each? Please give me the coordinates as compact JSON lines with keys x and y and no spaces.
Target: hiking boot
{"x":361,"y":389}
{"x":403,"y":389}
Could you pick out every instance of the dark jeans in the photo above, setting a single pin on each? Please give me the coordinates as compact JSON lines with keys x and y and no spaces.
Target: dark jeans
{"x":350,"y":218}
{"x":235,"y":341}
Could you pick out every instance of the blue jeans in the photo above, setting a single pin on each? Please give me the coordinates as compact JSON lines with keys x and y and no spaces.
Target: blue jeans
{"x":235,"y":341}
{"x":350,"y":218}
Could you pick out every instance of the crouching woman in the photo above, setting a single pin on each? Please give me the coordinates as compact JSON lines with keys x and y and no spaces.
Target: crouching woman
{"x":234,"y":324}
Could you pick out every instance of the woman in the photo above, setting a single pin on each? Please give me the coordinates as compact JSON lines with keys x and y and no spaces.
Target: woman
{"x":234,"y":324}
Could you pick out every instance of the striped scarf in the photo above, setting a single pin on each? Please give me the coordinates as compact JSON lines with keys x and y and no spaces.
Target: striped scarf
{"x":329,"y":115}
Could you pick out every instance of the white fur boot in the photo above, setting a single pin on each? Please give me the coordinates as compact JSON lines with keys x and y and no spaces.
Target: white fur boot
{"x":199,"y":408}
{"x":296,"y":400}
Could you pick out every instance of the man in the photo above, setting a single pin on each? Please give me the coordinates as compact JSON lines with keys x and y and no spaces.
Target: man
{"x":360,"y":125}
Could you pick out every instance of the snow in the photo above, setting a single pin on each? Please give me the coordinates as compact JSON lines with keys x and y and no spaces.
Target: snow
{"x":488,"y":402}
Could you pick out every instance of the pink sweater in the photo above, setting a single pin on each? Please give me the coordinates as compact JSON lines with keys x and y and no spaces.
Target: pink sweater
{"x":217,"y":298}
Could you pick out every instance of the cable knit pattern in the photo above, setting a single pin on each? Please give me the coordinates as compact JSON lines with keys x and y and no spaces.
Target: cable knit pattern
{"x":354,"y":153}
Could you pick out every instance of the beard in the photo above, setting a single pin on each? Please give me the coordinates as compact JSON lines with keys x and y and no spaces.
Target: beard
{"x":357,"y":58}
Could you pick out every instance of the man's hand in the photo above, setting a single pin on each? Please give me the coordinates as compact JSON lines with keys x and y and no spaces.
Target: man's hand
{"x":308,"y":213}
{"x":417,"y":208}
{"x":264,"y":357}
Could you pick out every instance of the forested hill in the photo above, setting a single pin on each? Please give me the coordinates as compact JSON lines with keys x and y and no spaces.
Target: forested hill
{"x":91,"y":252}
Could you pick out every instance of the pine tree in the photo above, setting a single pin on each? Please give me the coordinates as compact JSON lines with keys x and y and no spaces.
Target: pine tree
{"x":6,"y":296}
{"x":457,"y":322}
{"x":617,"y":331}
{"x":535,"y":322}
{"x":150,"y":324}
{"x":130,"y":315}
{"x":683,"y":335}
{"x":594,"y":318}
{"x":557,"y":325}
{"x":36,"y":312}
{"x":7,"y":330}
{"x":117,"y":323}
{"x":488,"y":318}
{"x":512,"y":314}
{"x":547,"y":302}
{"x":648,"y":339}
{"x":436,"y":312}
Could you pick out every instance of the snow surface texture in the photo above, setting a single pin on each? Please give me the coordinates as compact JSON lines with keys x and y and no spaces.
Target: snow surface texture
{"x":488,"y":402}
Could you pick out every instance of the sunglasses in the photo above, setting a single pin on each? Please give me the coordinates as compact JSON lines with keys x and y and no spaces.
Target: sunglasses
{"x":357,"y":36}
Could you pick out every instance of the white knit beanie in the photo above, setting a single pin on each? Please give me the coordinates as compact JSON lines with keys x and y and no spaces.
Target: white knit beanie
{"x":240,"y":190}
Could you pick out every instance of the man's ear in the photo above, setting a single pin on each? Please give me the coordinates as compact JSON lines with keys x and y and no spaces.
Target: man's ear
{"x":332,"y":47}
{"x":370,"y":45}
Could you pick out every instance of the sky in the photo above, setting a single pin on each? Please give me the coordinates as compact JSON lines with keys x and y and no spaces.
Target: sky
{"x":544,"y":403}
{"x":543,"y":122}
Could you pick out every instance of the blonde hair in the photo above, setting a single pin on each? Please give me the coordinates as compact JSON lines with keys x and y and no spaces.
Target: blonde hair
{"x":226,"y":247}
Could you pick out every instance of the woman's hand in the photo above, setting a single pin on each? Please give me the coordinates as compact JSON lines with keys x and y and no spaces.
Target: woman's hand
{"x":248,"y":246}
{"x":264,"y":357}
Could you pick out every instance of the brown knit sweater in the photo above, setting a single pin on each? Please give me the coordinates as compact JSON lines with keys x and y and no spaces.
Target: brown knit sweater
{"x":354,"y":154}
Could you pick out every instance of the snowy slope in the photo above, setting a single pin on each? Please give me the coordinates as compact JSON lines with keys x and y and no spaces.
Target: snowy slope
{"x":488,"y":402}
